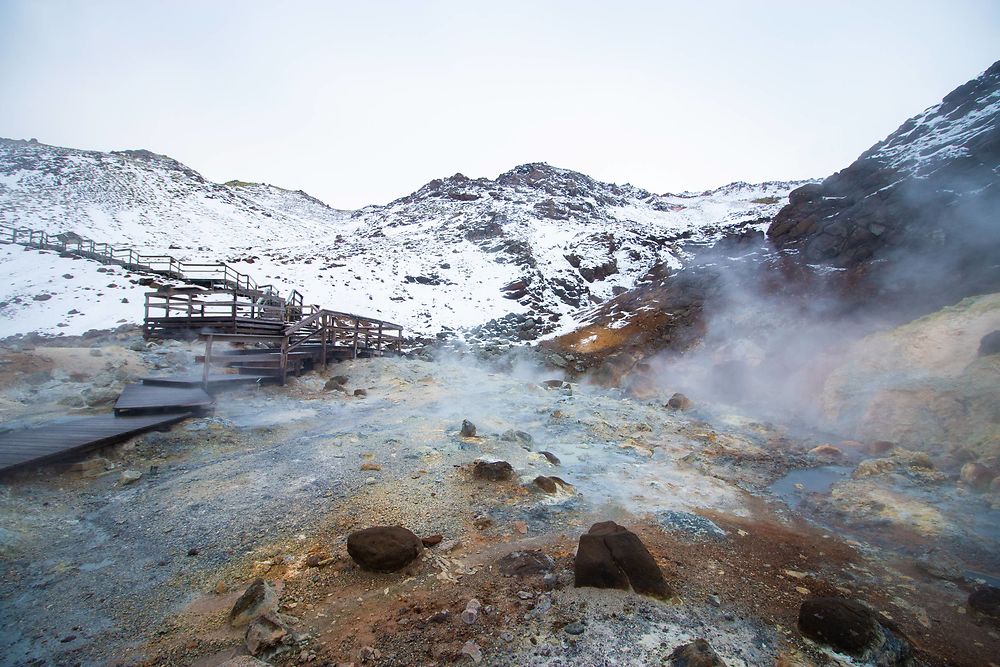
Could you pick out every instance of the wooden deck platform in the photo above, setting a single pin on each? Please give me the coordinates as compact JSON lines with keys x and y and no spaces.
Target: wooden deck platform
{"x":216,"y":381}
{"x":73,"y":436}
{"x":149,"y":399}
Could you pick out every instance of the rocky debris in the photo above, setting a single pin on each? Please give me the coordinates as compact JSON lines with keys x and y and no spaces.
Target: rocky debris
{"x":470,"y":614}
{"x":977,"y":475}
{"x":99,"y":396}
{"x":873,"y":467}
{"x":696,"y":654}
{"x":431,"y":540}
{"x":336,"y":382}
{"x":494,"y":471}
{"x":264,"y":633}
{"x":129,"y":477}
{"x":526,"y":564}
{"x":826,"y":452}
{"x":244,"y":661}
{"x":680,"y":402}
{"x":551,"y":458}
{"x":853,"y":628}
{"x":986,"y":600}
{"x":561,"y":385}
{"x":468,"y":429}
{"x":610,"y":556}
{"x":472,"y":650}
{"x":989,"y":344}
{"x":361,"y":392}
{"x":383,"y":548}
{"x":259,"y":599}
{"x":520,"y":437}
{"x":691,"y":524}
{"x":552,"y":484}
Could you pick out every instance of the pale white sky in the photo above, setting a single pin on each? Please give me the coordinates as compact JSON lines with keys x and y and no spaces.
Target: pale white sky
{"x":362,"y":102}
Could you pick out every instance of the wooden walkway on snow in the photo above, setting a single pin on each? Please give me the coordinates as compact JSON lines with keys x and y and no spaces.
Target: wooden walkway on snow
{"x":73,"y":436}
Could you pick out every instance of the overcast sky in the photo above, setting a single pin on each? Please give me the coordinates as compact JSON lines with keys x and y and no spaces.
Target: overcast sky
{"x":362,"y":102}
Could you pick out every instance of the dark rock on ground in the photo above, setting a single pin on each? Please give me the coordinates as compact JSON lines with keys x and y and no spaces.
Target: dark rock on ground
{"x":845,"y":625}
{"x":517,"y":436}
{"x":383,"y":548}
{"x":525,"y":563}
{"x":361,"y":392}
{"x":336,"y":382}
{"x":986,"y":600}
{"x":990,"y":344}
{"x":551,"y":458}
{"x":610,"y":556}
{"x":494,"y":471}
{"x":266,"y":632}
{"x":696,"y":654}
{"x":468,"y":429}
{"x":680,"y":402}
{"x":432,"y":540}
{"x":551,"y":484}
{"x":257,"y":600}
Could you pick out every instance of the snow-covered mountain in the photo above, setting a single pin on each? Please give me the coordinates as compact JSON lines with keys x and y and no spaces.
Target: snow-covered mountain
{"x":522,"y":252}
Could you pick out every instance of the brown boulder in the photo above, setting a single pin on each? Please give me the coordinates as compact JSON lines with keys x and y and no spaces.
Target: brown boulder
{"x":680,"y":402}
{"x":977,"y":475}
{"x":610,"y":556}
{"x":494,"y":471}
{"x":551,"y":484}
{"x":845,"y":625}
{"x":258,"y":599}
{"x":468,"y":429}
{"x":383,"y":548}
{"x":696,"y":654}
{"x":986,"y":600}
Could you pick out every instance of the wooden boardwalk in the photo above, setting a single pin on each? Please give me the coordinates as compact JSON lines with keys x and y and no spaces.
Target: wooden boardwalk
{"x":149,"y":399}
{"x":73,"y":436}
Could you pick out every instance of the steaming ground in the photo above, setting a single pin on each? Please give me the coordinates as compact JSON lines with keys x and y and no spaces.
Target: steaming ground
{"x":100,"y":572}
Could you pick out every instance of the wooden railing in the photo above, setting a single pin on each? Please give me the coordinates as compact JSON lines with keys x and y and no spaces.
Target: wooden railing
{"x":326,"y":330}
{"x":219,"y":275}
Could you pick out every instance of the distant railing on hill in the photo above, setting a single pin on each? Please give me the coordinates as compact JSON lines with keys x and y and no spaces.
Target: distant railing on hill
{"x":218,"y":275}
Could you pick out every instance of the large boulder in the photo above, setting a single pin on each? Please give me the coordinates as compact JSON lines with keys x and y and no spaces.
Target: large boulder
{"x":494,"y":471}
{"x":258,"y":600}
{"x":696,"y":654}
{"x":851,"y":627}
{"x":383,"y":548}
{"x":986,"y":600}
{"x":610,"y":556}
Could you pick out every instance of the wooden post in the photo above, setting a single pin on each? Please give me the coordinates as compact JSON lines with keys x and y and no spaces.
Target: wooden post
{"x":324,"y":326}
{"x":380,"y":352}
{"x":284,"y":360}
{"x":208,"y":363}
{"x":357,"y":327}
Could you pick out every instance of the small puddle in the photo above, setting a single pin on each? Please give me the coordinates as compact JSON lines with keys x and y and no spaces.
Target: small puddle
{"x":796,"y":485}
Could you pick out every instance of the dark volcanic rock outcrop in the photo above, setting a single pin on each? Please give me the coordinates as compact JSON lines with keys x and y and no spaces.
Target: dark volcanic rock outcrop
{"x":925,"y":199}
{"x":610,"y":556}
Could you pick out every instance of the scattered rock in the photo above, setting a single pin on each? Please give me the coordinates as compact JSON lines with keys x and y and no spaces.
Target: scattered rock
{"x":520,"y":437}
{"x":828,"y":452}
{"x":371,"y":466}
{"x":468,"y":429}
{"x":244,"y":661}
{"x":989,"y":344}
{"x":471,"y":612}
{"x":680,"y":402}
{"x":977,"y":475}
{"x":471,"y":649}
{"x":525,"y":564}
{"x":847,"y":626}
{"x":383,"y":548}
{"x":361,"y":392}
{"x":986,"y":600}
{"x":494,"y":471}
{"x":551,"y":458}
{"x":552,"y":484}
{"x":482,"y":522}
{"x":696,"y":654}
{"x":431,"y":540}
{"x":42,"y":297}
{"x":575,"y":628}
{"x":129,"y":477}
{"x":692,"y":524}
{"x":265,"y":632}
{"x":336,"y":382}
{"x":873,"y":467}
{"x":257,"y":600}
{"x":610,"y":556}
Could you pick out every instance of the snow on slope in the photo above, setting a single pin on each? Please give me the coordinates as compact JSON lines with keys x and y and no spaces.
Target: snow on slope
{"x":538,"y":243}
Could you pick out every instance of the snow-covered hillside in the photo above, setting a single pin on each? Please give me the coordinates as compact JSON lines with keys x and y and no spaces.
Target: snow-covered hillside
{"x":526,"y":250}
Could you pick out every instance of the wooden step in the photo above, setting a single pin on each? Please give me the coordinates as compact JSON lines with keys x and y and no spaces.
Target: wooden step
{"x":137,"y":399}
